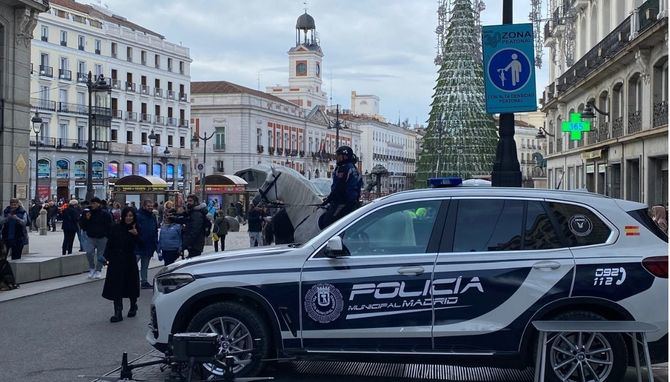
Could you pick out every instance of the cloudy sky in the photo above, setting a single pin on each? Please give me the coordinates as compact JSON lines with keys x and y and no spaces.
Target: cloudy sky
{"x":381,"y":47}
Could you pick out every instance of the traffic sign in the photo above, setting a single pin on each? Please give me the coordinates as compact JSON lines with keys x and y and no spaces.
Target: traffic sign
{"x":200,"y":166}
{"x":509,"y":68}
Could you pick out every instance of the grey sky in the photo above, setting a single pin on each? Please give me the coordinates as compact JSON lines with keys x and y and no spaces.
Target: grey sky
{"x":381,"y":47}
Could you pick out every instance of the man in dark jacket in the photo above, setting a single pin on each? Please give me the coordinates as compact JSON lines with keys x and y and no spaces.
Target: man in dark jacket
{"x":195,"y":220}
{"x":255,"y":220}
{"x":70,"y":225}
{"x":34,"y":214}
{"x":148,"y":240}
{"x":97,"y":224}
{"x":14,"y":219}
{"x":345,"y":191}
{"x":52,"y":213}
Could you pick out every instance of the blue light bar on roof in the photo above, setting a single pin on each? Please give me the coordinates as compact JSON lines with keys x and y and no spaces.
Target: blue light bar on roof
{"x":449,"y":181}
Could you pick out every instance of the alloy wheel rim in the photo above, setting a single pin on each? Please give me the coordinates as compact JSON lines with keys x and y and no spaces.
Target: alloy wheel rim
{"x":581,"y":357}
{"x":234,"y":337}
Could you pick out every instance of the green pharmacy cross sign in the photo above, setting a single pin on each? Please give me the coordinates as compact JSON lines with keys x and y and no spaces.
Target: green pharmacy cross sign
{"x":575,"y":126}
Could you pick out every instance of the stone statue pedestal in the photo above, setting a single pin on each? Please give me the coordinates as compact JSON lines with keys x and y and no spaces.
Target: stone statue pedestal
{"x":42,"y":222}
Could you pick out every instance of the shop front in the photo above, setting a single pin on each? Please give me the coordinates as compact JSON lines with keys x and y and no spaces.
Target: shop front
{"x":224,"y":189}
{"x":135,"y":188}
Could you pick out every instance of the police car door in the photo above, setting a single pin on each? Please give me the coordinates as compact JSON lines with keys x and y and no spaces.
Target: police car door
{"x":500,"y":260}
{"x":377,"y":297}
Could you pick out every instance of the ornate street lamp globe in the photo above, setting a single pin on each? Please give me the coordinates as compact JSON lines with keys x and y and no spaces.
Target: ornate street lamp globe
{"x":37,"y":122}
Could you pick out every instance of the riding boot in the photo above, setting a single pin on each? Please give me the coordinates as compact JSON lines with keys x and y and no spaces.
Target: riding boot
{"x":118,"y":311}
{"x":133,"y":308}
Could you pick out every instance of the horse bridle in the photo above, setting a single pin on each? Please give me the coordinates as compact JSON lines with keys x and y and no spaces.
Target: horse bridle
{"x":264,"y":193}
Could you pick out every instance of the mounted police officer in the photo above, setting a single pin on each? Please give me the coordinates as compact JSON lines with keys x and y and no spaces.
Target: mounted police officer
{"x":345,"y":191}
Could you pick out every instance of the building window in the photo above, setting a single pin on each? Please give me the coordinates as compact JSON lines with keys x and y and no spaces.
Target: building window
{"x":82,"y":42}
{"x":115,"y":135}
{"x":129,"y":54}
{"x":98,"y":46}
{"x":144,"y":138}
{"x":181,"y":67}
{"x":45,"y":33}
{"x":115,"y":50}
{"x":63,"y":38}
{"x":158,"y":140}
{"x":98,"y":70}
{"x":143,"y":57}
{"x":169,"y":64}
{"x":170,"y":141}
{"x":220,"y":138}
{"x":129,"y":137}
{"x":182,"y":142}
{"x":157,"y":61}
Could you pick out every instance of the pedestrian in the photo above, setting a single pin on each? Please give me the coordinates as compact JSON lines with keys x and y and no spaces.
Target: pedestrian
{"x":169,"y":239}
{"x":196,"y":225}
{"x":70,"y":226}
{"x":81,"y":235}
{"x":240,"y":212}
{"x":660,"y":217}
{"x":7,"y":280}
{"x":161,"y":212}
{"x":255,"y":220}
{"x":122,"y":279}
{"x":116,"y":212}
{"x":97,"y":223}
{"x":148,"y":228}
{"x":14,"y":233}
{"x":52,"y":213}
{"x":220,"y":230}
{"x":345,"y":192}
{"x":34,"y":214}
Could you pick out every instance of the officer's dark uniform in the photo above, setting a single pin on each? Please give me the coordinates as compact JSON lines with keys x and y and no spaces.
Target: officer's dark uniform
{"x":345,"y":191}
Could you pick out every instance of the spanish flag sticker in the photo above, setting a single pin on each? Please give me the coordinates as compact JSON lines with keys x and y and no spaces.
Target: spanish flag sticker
{"x":632,"y":230}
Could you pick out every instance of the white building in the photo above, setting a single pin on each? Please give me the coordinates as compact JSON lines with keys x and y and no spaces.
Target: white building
{"x":613,"y":54}
{"x":365,"y":104}
{"x":150,"y":78}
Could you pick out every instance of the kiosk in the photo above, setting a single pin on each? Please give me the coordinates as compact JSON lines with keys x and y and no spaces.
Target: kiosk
{"x":225,"y":189}
{"x":135,"y":188}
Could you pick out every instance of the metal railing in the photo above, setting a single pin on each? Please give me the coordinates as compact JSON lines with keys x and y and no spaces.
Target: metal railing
{"x":46,"y":71}
{"x":82,"y":77}
{"x":660,"y":114}
{"x":171,"y":121}
{"x":146,"y":118}
{"x":170,"y":94}
{"x":131,"y":116}
{"x":118,"y":114}
{"x":634,"y":121}
{"x":65,"y":75}
{"x":183,"y":123}
{"x":158,"y":92}
{"x":130,"y":86}
{"x":183,"y":97}
{"x":647,"y":13}
{"x":73,"y":144}
{"x":159,"y":119}
{"x":603,"y":129}
{"x":617,"y":127}
{"x":65,"y":107}
{"x":116,"y":84}
{"x":43,"y":104}
{"x":144,"y":89}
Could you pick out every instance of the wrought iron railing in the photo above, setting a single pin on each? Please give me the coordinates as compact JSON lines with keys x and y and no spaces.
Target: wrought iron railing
{"x":74,"y":144}
{"x":43,"y":104}
{"x":647,"y":13}
{"x":617,"y":127}
{"x":660,"y":114}
{"x":603,"y":130}
{"x":65,"y":107}
{"x":65,"y":75}
{"x":46,"y":71}
{"x":634,"y":121}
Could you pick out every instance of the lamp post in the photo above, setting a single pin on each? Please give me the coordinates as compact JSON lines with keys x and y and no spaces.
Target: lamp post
{"x":152,"y":141}
{"x":103,"y":115}
{"x":37,"y":128}
{"x":164,"y":161}
{"x":204,"y":138}
{"x":506,"y":170}
{"x":337,"y":126}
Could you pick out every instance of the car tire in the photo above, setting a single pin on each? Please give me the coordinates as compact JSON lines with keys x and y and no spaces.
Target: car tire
{"x":617,"y":354}
{"x":251,"y":326}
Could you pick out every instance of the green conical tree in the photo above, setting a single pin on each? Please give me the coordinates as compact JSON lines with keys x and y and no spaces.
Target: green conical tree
{"x":461,"y":137}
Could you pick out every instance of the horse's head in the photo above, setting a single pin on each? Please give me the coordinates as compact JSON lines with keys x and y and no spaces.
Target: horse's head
{"x":268,"y":191}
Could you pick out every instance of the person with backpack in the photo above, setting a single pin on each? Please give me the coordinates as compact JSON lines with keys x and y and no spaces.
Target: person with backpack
{"x":169,"y":239}
{"x":196,"y":226}
{"x":220,"y":230}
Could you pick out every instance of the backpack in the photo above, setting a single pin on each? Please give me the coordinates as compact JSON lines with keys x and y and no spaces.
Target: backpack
{"x":207,"y":226}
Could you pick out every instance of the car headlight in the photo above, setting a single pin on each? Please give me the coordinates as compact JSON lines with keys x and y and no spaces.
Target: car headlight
{"x":171,"y":282}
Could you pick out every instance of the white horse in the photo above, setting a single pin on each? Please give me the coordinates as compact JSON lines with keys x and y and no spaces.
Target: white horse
{"x":301,"y":199}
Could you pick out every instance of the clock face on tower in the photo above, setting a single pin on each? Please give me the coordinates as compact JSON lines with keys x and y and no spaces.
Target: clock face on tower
{"x":318,"y":69}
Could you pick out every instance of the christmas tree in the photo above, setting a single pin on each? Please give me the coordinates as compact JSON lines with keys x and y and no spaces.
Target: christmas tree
{"x":461,"y":137}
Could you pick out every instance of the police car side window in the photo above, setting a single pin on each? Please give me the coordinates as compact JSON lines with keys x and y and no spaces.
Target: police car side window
{"x":488,"y":225}
{"x":579,"y":225}
{"x":540,"y":233}
{"x":393,"y":230}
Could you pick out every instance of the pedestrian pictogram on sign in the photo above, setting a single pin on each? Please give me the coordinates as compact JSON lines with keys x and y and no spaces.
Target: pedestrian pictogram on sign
{"x":509,"y":69}
{"x":575,"y":126}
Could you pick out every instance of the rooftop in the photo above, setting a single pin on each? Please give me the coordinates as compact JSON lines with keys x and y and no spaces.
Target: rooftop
{"x":225,"y":87}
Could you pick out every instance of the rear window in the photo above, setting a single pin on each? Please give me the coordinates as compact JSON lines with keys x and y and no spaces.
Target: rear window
{"x":642,"y":217}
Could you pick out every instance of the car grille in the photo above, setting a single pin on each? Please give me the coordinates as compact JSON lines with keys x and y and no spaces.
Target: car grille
{"x":154,"y":322}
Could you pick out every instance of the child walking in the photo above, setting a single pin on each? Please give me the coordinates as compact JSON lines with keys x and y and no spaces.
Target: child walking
{"x":169,"y":239}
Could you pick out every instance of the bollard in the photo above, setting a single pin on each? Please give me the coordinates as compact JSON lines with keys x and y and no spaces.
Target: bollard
{"x":42,"y":222}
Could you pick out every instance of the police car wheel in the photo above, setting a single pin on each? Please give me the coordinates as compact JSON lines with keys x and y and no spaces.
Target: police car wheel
{"x":238,"y":327}
{"x":574,"y":356}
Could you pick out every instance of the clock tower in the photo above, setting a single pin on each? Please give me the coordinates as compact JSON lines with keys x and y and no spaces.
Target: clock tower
{"x":305,"y":68}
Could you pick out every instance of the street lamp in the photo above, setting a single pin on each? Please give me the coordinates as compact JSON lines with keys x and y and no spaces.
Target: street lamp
{"x":37,"y":128}
{"x":204,"y":138}
{"x":542,"y":133}
{"x":152,"y":141}
{"x":101,"y":115}
{"x":588,"y":111}
{"x":337,"y":126}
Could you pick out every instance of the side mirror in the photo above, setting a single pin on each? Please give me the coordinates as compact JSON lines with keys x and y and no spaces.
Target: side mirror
{"x":334,"y":248}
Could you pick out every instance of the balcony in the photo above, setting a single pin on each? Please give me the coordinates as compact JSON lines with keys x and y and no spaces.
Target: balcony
{"x":63,"y":43}
{"x":158,"y":92}
{"x":46,"y":71}
{"x":171,"y":121}
{"x":130,"y":86}
{"x":45,"y":38}
{"x":259,"y":149}
{"x":144,"y":90}
{"x":547,"y":31}
{"x":71,"y":144}
{"x":65,"y":107}
{"x":145,"y":118}
{"x":131,"y":116}
{"x":170,"y":94}
{"x":43,"y":104}
{"x":183,"y":97}
{"x":660,"y":114}
{"x":116,"y":84}
{"x":617,"y":127}
{"x":647,"y":14}
{"x":97,"y":51}
{"x":81,"y":47}
{"x":634,"y":121}
{"x":117,"y":114}
{"x":159,"y":119}
{"x":65,"y":75}
{"x":603,"y":130}
{"x":183,"y":122}
{"x":82,"y":78}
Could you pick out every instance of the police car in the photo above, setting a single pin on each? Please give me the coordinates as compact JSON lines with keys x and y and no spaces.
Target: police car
{"x":452,"y":275}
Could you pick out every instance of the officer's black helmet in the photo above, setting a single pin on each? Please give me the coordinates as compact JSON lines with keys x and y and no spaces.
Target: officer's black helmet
{"x":344,"y":150}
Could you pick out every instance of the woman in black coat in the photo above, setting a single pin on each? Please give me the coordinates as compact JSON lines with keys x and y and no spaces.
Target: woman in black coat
{"x":122,"y":279}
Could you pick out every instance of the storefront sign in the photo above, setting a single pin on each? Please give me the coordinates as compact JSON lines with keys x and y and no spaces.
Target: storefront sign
{"x":80,"y":170}
{"x":98,"y":168}
{"x":62,"y":169}
{"x":43,"y":169}
{"x":595,"y":154}
{"x":140,"y":188}
{"x":222,"y":189}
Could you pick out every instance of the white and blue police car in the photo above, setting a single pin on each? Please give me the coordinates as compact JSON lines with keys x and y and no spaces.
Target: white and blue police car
{"x":452,"y":275}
